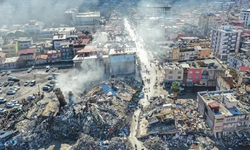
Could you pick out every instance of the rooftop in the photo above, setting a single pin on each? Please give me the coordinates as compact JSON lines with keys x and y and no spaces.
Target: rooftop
{"x":207,"y":64}
{"x":121,"y":52}
{"x":228,"y":104}
{"x":89,"y":14}
{"x":11,"y":59}
{"x":41,"y":57}
{"x":26,"y":51}
{"x":25,"y":39}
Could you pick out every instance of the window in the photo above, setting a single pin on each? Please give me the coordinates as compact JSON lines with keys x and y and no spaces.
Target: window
{"x":197,"y":72}
{"x":217,"y":127}
{"x":197,"y":78}
{"x":190,"y":78}
{"x":170,"y":77}
{"x":191,"y":72}
{"x":179,"y":72}
{"x":219,"y":120}
{"x":179,"y":77}
{"x":170,"y":72}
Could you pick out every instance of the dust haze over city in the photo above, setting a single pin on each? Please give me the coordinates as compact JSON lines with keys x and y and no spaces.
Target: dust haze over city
{"x":124,"y":75}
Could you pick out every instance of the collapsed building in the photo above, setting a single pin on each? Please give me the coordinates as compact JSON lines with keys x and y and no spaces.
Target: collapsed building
{"x":103,"y":115}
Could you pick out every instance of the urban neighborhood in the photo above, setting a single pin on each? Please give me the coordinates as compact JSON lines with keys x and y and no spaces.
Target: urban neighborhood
{"x":125,"y":75}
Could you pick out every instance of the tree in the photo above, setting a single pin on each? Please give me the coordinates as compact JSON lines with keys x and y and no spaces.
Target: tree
{"x":175,"y":89}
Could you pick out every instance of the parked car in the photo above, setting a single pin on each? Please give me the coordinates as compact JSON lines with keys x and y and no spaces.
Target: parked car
{"x":47,"y":88}
{"x":171,"y":95}
{"x":2,"y":100}
{"x":11,"y":92}
{"x":6,"y":83}
{"x":26,"y":83}
{"x":1,"y":84}
{"x":9,"y":105}
{"x":16,"y":79}
{"x":8,"y":73}
{"x":53,"y":82}
{"x":31,"y":97}
{"x":14,"y":101}
{"x":32,"y":83}
{"x":47,"y":68}
{"x":12,"y":89}
{"x":4,"y":73}
{"x":18,"y":106}
{"x":16,"y":88}
{"x":11,"y":83}
{"x":1,"y":92}
{"x":50,"y":78}
{"x":29,"y":70}
{"x":2,"y":111}
{"x":53,"y":69}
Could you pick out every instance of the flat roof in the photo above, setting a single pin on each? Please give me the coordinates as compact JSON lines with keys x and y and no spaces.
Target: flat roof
{"x":121,"y":52}
{"x":89,"y":14}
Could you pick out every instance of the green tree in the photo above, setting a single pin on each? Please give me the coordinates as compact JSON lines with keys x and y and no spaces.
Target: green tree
{"x":175,"y":89}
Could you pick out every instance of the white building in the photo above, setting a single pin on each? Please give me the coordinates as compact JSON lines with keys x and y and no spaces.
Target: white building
{"x":49,"y":32}
{"x":244,"y":15}
{"x":58,"y":39}
{"x":225,"y":41}
{"x":88,"y":18}
{"x":33,"y":27}
{"x":122,"y":62}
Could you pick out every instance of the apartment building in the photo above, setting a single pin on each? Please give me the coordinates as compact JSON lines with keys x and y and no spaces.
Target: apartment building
{"x":203,"y":52}
{"x":244,"y":15}
{"x":223,"y":113}
{"x":238,"y":60}
{"x":24,"y":43}
{"x":173,"y":72}
{"x":11,"y":49}
{"x":225,"y":41}
{"x":204,"y":72}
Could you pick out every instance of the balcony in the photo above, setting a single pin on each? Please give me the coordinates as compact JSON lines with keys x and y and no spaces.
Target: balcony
{"x":229,"y":128}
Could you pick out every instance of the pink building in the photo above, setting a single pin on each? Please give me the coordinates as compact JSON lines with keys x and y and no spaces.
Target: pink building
{"x":194,"y":75}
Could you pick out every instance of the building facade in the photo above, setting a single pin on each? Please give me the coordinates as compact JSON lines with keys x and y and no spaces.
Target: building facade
{"x":11,"y":49}
{"x":173,"y":72}
{"x":223,"y":113}
{"x":24,"y":43}
{"x":224,"y":42}
{"x":122,"y":62}
{"x":244,"y":15}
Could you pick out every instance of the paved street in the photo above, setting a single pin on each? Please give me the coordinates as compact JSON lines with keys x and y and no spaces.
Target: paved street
{"x":151,"y":76}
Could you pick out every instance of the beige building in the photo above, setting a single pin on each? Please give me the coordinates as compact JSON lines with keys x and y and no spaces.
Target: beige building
{"x":176,"y":53}
{"x":223,"y":113}
{"x":224,"y":83}
{"x":173,"y":72}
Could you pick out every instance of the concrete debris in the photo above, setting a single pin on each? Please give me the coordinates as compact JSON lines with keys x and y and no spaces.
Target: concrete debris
{"x":100,"y":120}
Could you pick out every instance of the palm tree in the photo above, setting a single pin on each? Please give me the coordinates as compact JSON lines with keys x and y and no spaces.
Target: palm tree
{"x":175,"y":89}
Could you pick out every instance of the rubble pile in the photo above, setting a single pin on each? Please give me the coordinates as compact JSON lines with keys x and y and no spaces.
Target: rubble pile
{"x":155,"y":143}
{"x":104,"y":114}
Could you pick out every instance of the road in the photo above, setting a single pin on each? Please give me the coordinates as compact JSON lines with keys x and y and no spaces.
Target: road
{"x":150,"y":72}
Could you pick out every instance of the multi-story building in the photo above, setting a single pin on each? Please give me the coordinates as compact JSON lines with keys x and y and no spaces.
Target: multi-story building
{"x":209,"y":21}
{"x":122,"y":62}
{"x":2,"y":59}
{"x":244,"y":15}
{"x":24,"y":43}
{"x":11,"y":49}
{"x":49,"y":32}
{"x":57,"y":40}
{"x":225,"y":41}
{"x":204,"y":72}
{"x":224,"y":83}
{"x":238,"y":60}
{"x":87,"y":18}
{"x":54,"y":56}
{"x":223,"y":113}
{"x":203,"y":52}
{"x":173,"y":72}
{"x":67,"y":51}
{"x":34,"y":27}
{"x":27,"y":56}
